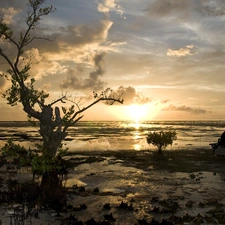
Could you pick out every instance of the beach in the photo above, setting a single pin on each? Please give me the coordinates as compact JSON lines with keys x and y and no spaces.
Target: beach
{"x":136,"y":187}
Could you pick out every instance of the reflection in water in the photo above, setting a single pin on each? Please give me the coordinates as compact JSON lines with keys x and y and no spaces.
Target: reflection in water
{"x":137,"y":135}
{"x":142,"y":186}
{"x":73,"y":181}
{"x":119,"y":135}
{"x":137,"y":147}
{"x":137,"y":125}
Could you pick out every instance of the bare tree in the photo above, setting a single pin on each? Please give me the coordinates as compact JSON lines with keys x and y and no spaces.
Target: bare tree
{"x":54,"y":122}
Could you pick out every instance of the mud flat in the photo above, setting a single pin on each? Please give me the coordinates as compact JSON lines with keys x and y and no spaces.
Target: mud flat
{"x":136,"y":187}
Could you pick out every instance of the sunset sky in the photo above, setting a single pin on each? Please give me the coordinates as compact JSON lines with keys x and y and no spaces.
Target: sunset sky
{"x":166,"y":56}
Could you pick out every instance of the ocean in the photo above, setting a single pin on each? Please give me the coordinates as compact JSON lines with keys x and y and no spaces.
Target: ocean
{"x":119,"y":135}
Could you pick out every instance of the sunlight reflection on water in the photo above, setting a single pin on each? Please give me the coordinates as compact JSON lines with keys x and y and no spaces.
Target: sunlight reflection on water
{"x":137,"y":147}
{"x":120,"y":135}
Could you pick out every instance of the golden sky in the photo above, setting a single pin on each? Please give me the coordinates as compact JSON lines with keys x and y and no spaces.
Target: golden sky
{"x":166,"y":56}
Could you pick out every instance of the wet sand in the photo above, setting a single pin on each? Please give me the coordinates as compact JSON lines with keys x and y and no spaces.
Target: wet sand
{"x":184,"y":187}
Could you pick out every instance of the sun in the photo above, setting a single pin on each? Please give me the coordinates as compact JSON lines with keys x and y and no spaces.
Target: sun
{"x":137,"y":112}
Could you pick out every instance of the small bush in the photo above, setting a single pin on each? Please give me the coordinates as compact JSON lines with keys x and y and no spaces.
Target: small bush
{"x":161,"y":139}
{"x":17,"y":153}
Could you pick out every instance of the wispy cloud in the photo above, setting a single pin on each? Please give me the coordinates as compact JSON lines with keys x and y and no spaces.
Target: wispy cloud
{"x":170,"y":8}
{"x":214,"y":8}
{"x":187,"y":50}
{"x":186,"y":109}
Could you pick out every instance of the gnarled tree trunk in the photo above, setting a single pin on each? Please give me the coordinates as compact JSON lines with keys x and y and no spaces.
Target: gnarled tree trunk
{"x":50,"y":130}
{"x":52,"y":134}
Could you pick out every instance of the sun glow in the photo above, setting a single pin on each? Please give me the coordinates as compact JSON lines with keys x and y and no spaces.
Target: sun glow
{"x":137,"y":112}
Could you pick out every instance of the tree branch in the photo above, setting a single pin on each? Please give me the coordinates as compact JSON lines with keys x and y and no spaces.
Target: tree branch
{"x":58,"y":100}
{"x":72,"y":122}
{"x":39,"y":38}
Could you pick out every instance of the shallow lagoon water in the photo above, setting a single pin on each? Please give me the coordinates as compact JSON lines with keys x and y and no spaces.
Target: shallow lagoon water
{"x":118,"y":135}
{"x":117,"y":182}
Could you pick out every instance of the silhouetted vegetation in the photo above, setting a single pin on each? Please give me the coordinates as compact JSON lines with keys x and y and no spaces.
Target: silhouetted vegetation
{"x":161,"y":139}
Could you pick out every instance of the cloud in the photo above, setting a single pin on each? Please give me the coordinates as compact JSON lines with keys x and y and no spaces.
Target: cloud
{"x":15,"y":4}
{"x":186,"y":9}
{"x":40,"y":64}
{"x":214,"y":8}
{"x":77,"y":43}
{"x":187,"y":50}
{"x":93,"y":82}
{"x":131,"y":96}
{"x":186,"y":109}
{"x":106,"y":6}
{"x":165,"y":8}
{"x":164,"y":101}
{"x":2,"y":82}
{"x":79,"y":35}
{"x":72,"y":43}
{"x":46,"y":86}
{"x":8,"y":14}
